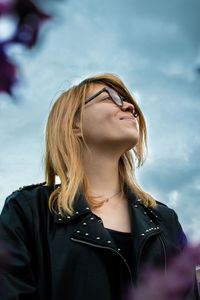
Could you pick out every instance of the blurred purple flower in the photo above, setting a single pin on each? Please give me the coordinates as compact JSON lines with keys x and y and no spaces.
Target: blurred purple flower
{"x":173,"y":285}
{"x":6,"y":6}
{"x":8,"y":72}
{"x":29,"y":18}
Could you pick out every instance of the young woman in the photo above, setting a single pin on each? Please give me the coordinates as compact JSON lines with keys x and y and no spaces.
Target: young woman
{"x":91,"y":236}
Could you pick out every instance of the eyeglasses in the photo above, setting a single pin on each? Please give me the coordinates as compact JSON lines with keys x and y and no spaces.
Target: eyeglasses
{"x":117,"y":99}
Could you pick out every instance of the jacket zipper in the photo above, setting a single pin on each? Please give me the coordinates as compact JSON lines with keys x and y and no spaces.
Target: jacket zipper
{"x":164,"y":251}
{"x":103,"y":247}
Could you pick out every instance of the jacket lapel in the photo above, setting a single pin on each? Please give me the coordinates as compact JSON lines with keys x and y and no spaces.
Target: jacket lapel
{"x":90,"y":228}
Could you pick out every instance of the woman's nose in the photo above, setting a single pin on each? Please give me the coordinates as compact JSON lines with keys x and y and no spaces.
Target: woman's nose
{"x":127,"y":106}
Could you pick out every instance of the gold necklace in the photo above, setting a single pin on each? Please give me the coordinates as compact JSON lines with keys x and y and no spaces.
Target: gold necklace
{"x":107,"y":199}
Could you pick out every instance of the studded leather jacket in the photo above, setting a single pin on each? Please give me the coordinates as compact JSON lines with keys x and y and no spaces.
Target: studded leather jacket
{"x":72,"y":258}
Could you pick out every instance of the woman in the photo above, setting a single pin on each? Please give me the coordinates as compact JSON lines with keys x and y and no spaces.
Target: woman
{"x":91,"y":236}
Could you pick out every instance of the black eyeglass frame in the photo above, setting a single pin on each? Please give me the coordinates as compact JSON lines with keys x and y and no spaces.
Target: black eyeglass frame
{"x":110,"y":91}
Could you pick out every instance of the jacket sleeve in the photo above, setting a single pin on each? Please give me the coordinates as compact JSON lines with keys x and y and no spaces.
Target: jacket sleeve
{"x":17,"y":279}
{"x":180,"y":235}
{"x":194,"y":293}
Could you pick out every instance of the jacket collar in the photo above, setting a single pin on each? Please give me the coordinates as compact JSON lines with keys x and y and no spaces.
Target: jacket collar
{"x":90,"y":230}
{"x":81,"y":208}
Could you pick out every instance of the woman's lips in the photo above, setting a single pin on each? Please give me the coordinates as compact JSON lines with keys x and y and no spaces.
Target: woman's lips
{"x":129,"y":119}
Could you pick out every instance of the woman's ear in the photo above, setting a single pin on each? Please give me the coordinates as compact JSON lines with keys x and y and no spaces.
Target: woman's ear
{"x":77,"y":130}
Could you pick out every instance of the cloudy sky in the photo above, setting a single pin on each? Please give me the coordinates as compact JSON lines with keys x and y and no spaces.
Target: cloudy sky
{"x":154,"y":46}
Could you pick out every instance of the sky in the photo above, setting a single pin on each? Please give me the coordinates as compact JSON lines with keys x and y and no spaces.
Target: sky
{"x":154,"y":47}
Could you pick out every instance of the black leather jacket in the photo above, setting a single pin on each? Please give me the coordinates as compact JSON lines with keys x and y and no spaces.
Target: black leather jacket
{"x":71,"y":258}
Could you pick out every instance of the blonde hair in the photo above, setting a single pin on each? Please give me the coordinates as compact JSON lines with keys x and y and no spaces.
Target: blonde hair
{"x":64,"y":147}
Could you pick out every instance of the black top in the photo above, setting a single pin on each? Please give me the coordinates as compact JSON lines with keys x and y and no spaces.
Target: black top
{"x":123,"y":241}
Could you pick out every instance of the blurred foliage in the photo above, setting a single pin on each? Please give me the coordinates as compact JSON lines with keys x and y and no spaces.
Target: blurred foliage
{"x":29,"y":17}
{"x":175,"y":284}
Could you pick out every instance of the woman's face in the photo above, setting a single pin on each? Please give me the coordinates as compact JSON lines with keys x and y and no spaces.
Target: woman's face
{"x":108,"y":126}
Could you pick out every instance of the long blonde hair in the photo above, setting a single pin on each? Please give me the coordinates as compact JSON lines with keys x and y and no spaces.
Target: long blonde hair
{"x":64,"y":147}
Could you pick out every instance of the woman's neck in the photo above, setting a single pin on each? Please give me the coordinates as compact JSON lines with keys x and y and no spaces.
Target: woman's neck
{"x":102,"y":172}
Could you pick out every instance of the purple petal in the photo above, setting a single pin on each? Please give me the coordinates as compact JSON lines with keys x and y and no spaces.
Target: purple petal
{"x":8,"y":73}
{"x":175,"y":284}
{"x":6,"y":6}
{"x":30,"y":19}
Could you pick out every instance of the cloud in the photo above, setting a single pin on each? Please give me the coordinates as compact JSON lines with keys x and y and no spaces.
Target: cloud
{"x":173,"y":198}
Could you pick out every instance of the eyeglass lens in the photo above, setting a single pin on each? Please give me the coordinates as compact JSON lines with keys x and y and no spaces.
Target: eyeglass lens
{"x":116,"y":98}
{"x":119,"y":99}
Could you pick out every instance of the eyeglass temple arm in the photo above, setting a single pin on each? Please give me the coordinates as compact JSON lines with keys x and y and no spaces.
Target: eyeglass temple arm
{"x":97,"y":94}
